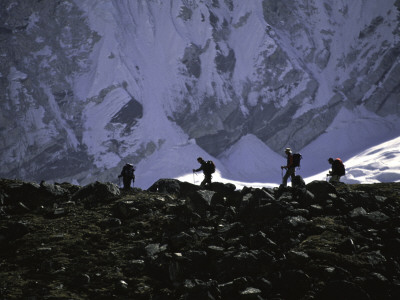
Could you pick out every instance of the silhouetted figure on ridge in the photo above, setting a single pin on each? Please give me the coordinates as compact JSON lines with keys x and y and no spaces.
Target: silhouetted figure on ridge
{"x":127,"y":175}
{"x":338,"y":170}
{"x":208,"y":168}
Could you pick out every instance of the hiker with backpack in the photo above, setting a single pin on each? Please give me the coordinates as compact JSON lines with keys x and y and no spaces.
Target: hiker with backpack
{"x":293,"y":161}
{"x":338,"y":170}
{"x":208,"y":169}
{"x":127,"y":175}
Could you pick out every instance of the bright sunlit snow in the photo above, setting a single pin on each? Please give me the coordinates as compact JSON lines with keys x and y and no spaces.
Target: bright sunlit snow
{"x":380,"y":163}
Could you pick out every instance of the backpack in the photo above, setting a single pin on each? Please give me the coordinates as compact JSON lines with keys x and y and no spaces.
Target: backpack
{"x":340,"y":167}
{"x":296,"y":159}
{"x":128,"y":171}
{"x":210,"y":166}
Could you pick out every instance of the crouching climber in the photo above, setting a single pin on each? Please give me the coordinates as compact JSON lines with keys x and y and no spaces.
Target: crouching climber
{"x":338,"y":170}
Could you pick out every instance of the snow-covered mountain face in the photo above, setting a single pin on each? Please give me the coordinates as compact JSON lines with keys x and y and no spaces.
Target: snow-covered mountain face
{"x":91,"y":84}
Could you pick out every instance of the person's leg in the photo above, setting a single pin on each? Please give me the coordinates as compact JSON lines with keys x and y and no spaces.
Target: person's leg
{"x":127,"y":183}
{"x":334,"y":179}
{"x":208,"y":179}
{"x":285,"y":178}
{"x":292,"y":174}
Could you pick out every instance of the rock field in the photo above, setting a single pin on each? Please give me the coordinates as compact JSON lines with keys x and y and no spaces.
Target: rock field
{"x":178,"y":241}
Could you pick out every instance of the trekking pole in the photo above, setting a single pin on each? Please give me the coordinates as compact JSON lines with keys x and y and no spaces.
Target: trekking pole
{"x":194,"y":182}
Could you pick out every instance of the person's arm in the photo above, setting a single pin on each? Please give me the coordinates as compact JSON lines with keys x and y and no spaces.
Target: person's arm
{"x":199,"y":169}
{"x":122,"y":172}
{"x":289,"y":162}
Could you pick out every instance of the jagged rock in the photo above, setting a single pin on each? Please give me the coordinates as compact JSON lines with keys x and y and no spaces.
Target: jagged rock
{"x":298,"y":257}
{"x":316,"y":210}
{"x":296,"y":221}
{"x":57,"y":212}
{"x":30,"y":194}
{"x":321,"y":190}
{"x":197,"y":289}
{"x":358,"y":212}
{"x":286,"y":196}
{"x":194,"y":247}
{"x":110,"y":223}
{"x":304,"y":197}
{"x":54,"y":190}
{"x":167,"y":186}
{"x":96,"y":192}
{"x":266,"y":212}
{"x":198,"y":259}
{"x":250,"y":293}
{"x":180,"y":240}
{"x":200,"y":201}
{"x":215,"y":251}
{"x":136,"y":266}
{"x":125,"y":209}
{"x":344,"y":290}
{"x":153,"y":249}
{"x":259,"y":240}
{"x":14,"y":231}
{"x":81,"y":279}
{"x":298,"y":182}
{"x":376,"y":217}
{"x":346,"y":247}
{"x":295,"y":283}
{"x":224,"y":188}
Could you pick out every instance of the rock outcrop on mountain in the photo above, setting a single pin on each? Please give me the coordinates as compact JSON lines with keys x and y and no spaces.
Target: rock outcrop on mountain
{"x":179,"y":241}
{"x":88,"y":84}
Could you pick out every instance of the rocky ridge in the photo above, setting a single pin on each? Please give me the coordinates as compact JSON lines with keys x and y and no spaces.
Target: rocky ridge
{"x":82,"y":81}
{"x":178,"y":241}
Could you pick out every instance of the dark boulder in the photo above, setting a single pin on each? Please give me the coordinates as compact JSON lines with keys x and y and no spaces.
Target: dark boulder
{"x":166,"y":186}
{"x":200,"y":201}
{"x":190,"y":242}
{"x":321,"y":190}
{"x":223,"y":188}
{"x":298,"y":182}
{"x":96,"y":192}
{"x":343,"y":290}
{"x":13,"y":231}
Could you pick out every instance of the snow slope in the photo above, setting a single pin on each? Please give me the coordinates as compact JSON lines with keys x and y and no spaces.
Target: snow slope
{"x":380,"y":163}
{"x":350,"y":133}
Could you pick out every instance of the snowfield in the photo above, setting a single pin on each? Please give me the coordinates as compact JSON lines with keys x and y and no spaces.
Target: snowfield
{"x":379,"y":163}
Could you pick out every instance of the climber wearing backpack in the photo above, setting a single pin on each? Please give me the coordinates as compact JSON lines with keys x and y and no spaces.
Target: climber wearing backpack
{"x":208,"y":168}
{"x":338,"y":170}
{"x":127,"y":175}
{"x":293,"y":161}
